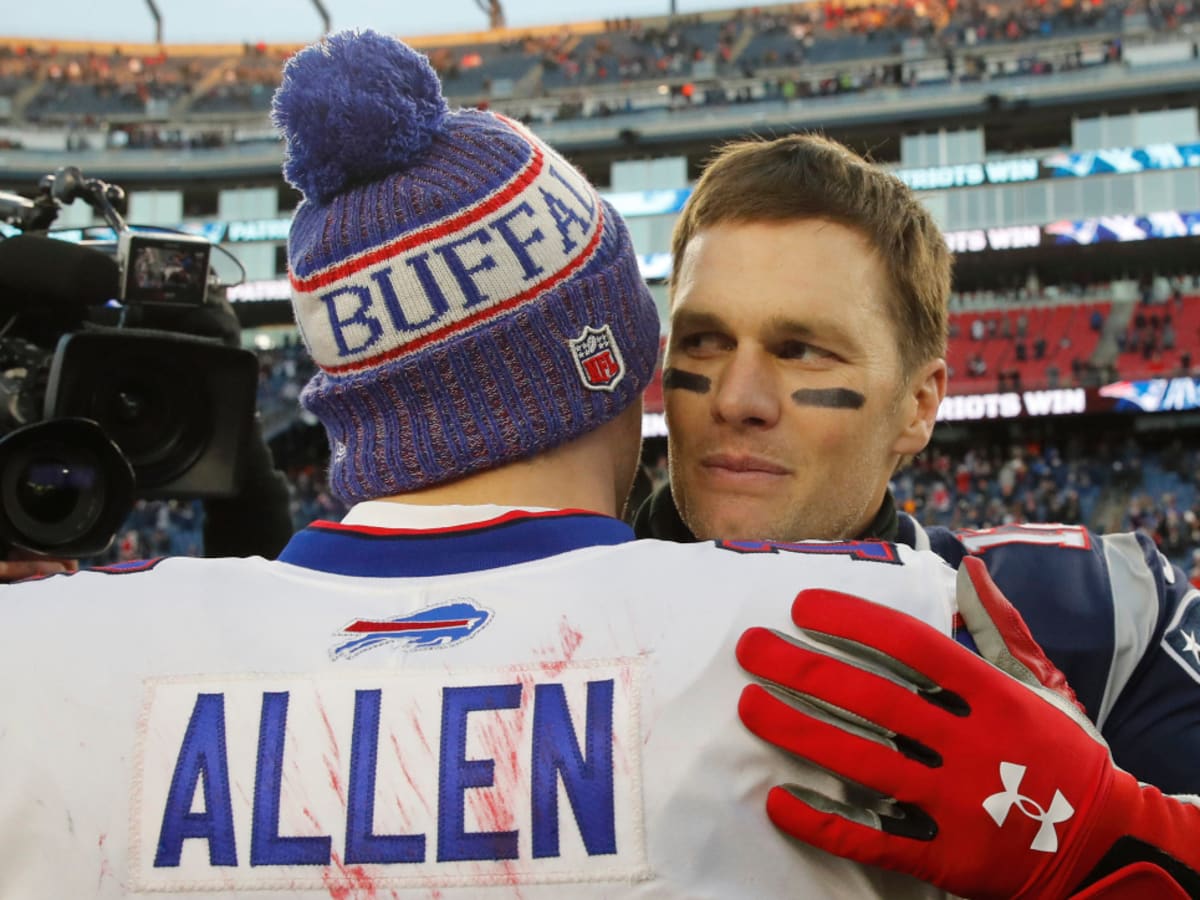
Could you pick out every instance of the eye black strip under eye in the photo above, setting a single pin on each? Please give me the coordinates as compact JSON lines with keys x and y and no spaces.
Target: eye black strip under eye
{"x":687,"y":381}
{"x":830,"y":398}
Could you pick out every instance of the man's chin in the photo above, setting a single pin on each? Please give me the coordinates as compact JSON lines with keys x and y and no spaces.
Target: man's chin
{"x":734,"y":527}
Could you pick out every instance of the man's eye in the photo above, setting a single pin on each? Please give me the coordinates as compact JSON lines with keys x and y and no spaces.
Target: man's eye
{"x":703,"y":342}
{"x":802,"y":351}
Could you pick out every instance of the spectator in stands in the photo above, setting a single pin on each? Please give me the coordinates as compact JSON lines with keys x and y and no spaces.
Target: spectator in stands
{"x":789,"y":414}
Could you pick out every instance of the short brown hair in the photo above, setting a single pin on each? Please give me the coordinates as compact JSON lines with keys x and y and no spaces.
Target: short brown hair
{"x":805,"y":176}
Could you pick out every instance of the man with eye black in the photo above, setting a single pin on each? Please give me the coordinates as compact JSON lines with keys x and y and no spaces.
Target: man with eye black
{"x":805,"y":366}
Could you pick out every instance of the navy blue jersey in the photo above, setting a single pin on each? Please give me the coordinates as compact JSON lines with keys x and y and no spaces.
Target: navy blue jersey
{"x":1117,"y":618}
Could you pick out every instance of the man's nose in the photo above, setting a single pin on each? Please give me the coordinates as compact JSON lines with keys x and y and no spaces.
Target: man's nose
{"x":747,"y":392}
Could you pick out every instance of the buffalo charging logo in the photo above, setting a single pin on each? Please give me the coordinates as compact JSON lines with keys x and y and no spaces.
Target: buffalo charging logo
{"x":436,"y":627}
{"x":598,"y":359}
{"x":998,"y":806}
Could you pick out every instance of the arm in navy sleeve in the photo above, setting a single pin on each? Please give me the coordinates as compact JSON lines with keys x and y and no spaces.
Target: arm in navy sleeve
{"x":1152,"y":720}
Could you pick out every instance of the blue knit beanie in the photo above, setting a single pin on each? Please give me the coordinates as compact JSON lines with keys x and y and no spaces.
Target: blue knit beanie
{"x":469,"y":298}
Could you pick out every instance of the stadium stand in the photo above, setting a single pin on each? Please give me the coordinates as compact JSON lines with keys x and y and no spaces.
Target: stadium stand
{"x":1162,"y":338}
{"x":798,"y":51}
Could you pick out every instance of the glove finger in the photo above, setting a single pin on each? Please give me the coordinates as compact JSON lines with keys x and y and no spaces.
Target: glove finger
{"x":891,"y":639}
{"x":1001,"y":634}
{"x":850,"y":752}
{"x":845,"y":832}
{"x":899,"y":712}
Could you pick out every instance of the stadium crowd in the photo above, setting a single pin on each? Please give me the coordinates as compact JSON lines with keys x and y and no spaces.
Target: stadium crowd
{"x":1105,"y":484}
{"x":788,"y":52}
{"x":1108,"y":486}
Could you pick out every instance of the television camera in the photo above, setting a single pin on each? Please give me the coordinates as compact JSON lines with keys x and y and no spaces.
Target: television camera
{"x":121,"y":373}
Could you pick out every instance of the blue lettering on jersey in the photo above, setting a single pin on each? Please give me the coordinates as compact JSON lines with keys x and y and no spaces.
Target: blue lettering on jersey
{"x":870,"y":551}
{"x":362,"y":844}
{"x":582,"y":762}
{"x":588,"y":779}
{"x":267,"y":846}
{"x":456,"y":774}
{"x":202,"y":754}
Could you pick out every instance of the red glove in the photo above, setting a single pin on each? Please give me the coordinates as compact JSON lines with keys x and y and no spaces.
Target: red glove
{"x":975,"y":777}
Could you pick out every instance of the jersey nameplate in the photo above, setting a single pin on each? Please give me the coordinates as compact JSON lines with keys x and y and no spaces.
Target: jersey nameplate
{"x":472,"y":777}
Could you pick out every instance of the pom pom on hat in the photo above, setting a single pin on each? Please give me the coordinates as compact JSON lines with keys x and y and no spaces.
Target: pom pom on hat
{"x":353,"y":108}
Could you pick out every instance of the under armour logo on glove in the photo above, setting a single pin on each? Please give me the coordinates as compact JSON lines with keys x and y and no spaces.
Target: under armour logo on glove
{"x":999,"y":805}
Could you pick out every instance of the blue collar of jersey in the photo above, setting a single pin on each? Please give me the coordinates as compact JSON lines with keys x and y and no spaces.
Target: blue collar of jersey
{"x":514,"y":537}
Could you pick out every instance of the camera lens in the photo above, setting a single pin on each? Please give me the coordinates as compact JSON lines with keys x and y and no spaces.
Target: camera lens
{"x":52,"y":493}
{"x":142,"y":419}
{"x":50,"y":490}
{"x":155,"y":414}
{"x":64,"y":488}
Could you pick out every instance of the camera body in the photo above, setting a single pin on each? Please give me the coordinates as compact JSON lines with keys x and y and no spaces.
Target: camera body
{"x":108,"y":389}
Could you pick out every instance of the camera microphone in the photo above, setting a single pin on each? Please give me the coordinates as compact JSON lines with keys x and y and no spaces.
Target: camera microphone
{"x":43,"y":273}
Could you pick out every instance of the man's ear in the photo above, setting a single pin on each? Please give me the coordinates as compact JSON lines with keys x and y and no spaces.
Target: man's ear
{"x":919,"y":407}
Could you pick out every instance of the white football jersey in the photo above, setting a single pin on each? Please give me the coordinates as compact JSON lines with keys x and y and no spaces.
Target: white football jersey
{"x":456,"y":702}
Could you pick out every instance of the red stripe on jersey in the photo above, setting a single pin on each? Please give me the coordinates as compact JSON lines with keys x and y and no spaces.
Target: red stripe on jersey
{"x":361,"y":626}
{"x":511,"y":516}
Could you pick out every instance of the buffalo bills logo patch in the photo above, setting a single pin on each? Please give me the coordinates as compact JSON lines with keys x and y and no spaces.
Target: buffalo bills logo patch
{"x":439,"y":626}
{"x":1182,"y":640}
{"x":598,"y":359}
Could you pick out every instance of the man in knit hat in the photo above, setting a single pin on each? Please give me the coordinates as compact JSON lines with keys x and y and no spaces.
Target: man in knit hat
{"x":477,"y":682}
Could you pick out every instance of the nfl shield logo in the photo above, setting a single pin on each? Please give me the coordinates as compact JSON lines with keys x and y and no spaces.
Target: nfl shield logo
{"x":597,"y":359}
